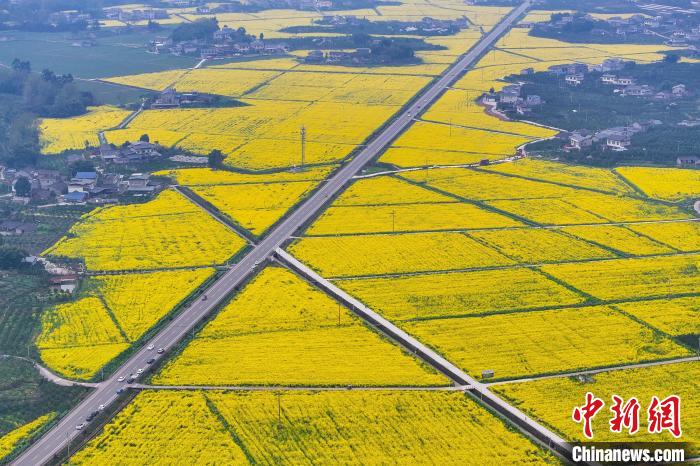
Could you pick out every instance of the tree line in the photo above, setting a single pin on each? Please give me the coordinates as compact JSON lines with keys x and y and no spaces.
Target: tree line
{"x":25,"y":96}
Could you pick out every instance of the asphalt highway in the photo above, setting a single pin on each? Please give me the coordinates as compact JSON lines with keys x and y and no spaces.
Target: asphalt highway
{"x":58,"y":437}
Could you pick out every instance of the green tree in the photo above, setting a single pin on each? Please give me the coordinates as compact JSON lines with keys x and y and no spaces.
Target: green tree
{"x":11,"y":258}
{"x":23,"y":187}
{"x":215,"y":159}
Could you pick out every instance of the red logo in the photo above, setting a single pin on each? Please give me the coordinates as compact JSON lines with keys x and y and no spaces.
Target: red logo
{"x":662,"y":415}
{"x":625,"y":415}
{"x":587,"y":412}
{"x":665,"y":415}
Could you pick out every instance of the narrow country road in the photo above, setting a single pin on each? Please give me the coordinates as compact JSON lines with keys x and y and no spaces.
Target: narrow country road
{"x":48,"y":375}
{"x":64,"y":432}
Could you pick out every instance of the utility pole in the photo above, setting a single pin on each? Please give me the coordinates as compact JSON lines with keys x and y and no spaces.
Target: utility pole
{"x":303,"y":145}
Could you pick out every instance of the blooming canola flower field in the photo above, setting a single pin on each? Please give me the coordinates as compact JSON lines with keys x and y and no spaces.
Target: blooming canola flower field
{"x":526,"y":267}
{"x":112,"y":311}
{"x":333,"y":427}
{"x":156,"y":234}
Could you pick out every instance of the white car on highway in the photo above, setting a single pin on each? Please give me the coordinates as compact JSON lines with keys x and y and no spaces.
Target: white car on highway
{"x":150,"y":347}
{"x":121,"y":379}
{"x":80,"y":426}
{"x":139,"y":372}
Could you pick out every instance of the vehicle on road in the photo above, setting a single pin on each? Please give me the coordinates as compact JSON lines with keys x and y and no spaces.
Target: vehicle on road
{"x":150,"y":347}
{"x":258,"y":262}
{"x":131,"y":379}
{"x":92,"y":416}
{"x":101,"y":408}
{"x":160,"y":350}
{"x":121,"y":379}
{"x":80,"y":426}
{"x":139,"y":372}
{"x":151,"y":361}
{"x":204,"y":298}
{"x":120,"y":391}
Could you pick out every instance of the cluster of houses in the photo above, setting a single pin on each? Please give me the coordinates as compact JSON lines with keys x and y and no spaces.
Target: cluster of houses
{"x":134,"y":152}
{"x":45,"y":185}
{"x":50,"y":186}
{"x":142,"y":14}
{"x":511,"y":97}
{"x":617,"y":139}
{"x":675,"y":28}
{"x":576,"y":73}
{"x":59,"y":18}
{"x":225,"y":43}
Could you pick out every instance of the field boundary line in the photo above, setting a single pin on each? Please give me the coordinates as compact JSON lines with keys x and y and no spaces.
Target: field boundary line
{"x":598,"y":371}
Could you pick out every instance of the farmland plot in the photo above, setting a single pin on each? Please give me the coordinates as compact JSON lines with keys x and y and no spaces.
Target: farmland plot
{"x":281,"y":331}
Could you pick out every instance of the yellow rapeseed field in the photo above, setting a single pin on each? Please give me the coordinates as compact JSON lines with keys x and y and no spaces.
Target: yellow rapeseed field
{"x":424,"y":135}
{"x":406,"y":218}
{"x":157,"y":81}
{"x":683,"y":236}
{"x":208,"y":176}
{"x":472,"y":184}
{"x":79,"y":337}
{"x":83,"y":322}
{"x":632,"y":278}
{"x":139,"y":301}
{"x":574,"y":207}
{"x":60,"y":134}
{"x":258,"y":206}
{"x":678,"y":316}
{"x":620,"y":238}
{"x":587,"y":177}
{"x":168,"y":231}
{"x":365,"y":89}
{"x":15,"y":437}
{"x":232,"y":83}
{"x":160,"y":428}
{"x":624,"y":209}
{"x":227,"y":82}
{"x":361,"y":427}
{"x":264,"y":154}
{"x":535,"y":245}
{"x":349,"y":427}
{"x":408,"y":157}
{"x":280,"y":330}
{"x":264,"y":134}
{"x":459,"y":293}
{"x":338,"y":256}
{"x":553,"y":400}
{"x":387,"y":190}
{"x":161,"y":137}
{"x":538,"y":342}
{"x":547,"y":211}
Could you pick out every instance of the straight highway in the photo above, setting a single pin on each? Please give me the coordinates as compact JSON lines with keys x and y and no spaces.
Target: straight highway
{"x":64,"y":432}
